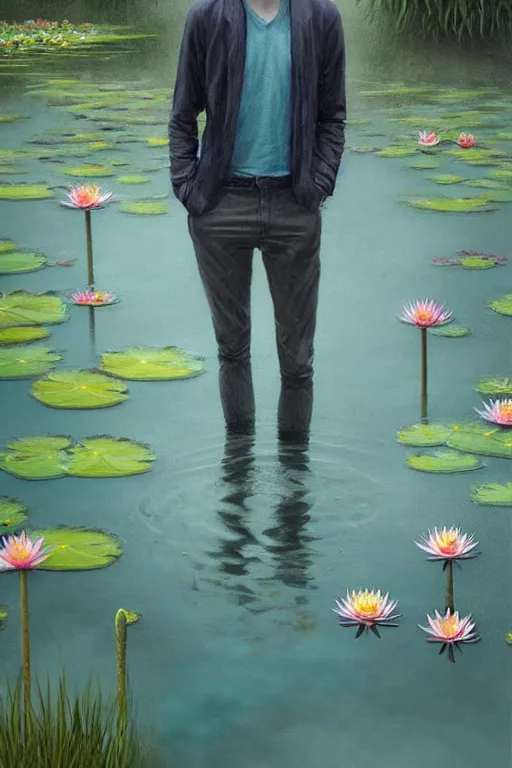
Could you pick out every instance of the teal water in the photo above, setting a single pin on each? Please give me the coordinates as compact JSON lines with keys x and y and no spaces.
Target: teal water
{"x":235,"y":557}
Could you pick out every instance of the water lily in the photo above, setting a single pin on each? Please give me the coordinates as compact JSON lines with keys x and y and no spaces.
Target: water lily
{"x":366,"y":609}
{"x":87,"y":197}
{"x":93,"y":298}
{"x":466,"y":140}
{"x":20,"y":553}
{"x":425,"y":314}
{"x":448,"y":544}
{"x":497,"y":412}
{"x":450,"y":630}
{"x":428,"y":139}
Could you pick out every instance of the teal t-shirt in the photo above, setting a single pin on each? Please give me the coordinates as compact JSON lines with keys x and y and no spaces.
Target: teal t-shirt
{"x":263,"y":132}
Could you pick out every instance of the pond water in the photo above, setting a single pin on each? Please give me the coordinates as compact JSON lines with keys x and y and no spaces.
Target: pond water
{"x":235,"y":551}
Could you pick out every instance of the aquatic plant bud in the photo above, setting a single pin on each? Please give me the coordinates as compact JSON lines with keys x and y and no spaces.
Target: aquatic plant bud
{"x":466,"y":140}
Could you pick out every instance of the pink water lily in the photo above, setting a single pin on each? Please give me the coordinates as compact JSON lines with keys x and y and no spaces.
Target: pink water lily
{"x":466,"y":140}
{"x":428,"y":139}
{"x":366,"y":609}
{"x":497,"y":412}
{"x":93,"y":298}
{"x":425,"y":314}
{"x":448,"y":544}
{"x":20,"y":553}
{"x":450,"y":630}
{"x":87,"y":197}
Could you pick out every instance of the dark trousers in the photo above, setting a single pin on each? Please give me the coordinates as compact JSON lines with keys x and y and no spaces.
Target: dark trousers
{"x":265,"y":216}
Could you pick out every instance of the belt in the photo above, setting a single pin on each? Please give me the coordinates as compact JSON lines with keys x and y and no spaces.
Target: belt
{"x":271,"y":182}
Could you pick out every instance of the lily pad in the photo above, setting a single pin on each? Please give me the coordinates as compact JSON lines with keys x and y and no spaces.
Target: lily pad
{"x":133,"y":179}
{"x":79,"y":389}
{"x":89,"y":171}
{"x":443,"y":461}
{"x":36,"y":458}
{"x":485,"y":184}
{"x":146,"y":364}
{"x":110,"y":457}
{"x":16,"y":262}
{"x":502,"y":306}
{"x":452,"y":204}
{"x":483,"y":439}
{"x":398,"y":151}
{"x":6,"y":246}
{"x":475,"y":156}
{"x":424,"y":435}
{"x":78,"y":549}
{"x":144,"y":208}
{"x":22,"y":335}
{"x":494,"y":387}
{"x":446,"y":178}
{"x":502,"y":174}
{"x":18,"y":364}
{"x":474,"y":262}
{"x":156,"y":141}
{"x":493,"y":495}
{"x":20,"y":308}
{"x":450,"y":331}
{"x":10,"y":118}
{"x":13,"y":515}
{"x":425,"y":165}
{"x":25,"y":192}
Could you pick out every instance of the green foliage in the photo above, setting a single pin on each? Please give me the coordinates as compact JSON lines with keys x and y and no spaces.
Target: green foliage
{"x":503,"y":305}
{"x":425,"y":435}
{"x":462,"y":19}
{"x":443,"y":461}
{"x":450,"y":331}
{"x":144,"y":208}
{"x":452,"y":204}
{"x":76,"y":732}
{"x":446,"y":178}
{"x":21,"y":308}
{"x":483,"y":439}
{"x":146,"y":364}
{"x":25,"y":192}
{"x":78,"y":549}
{"x":22,"y":335}
{"x":13,"y":515}
{"x":493,"y":495}
{"x":17,"y":262}
{"x":79,"y":389}
{"x":23,"y":364}
{"x":495,"y":387}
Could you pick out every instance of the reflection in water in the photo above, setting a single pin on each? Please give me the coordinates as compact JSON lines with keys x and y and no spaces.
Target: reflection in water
{"x":287,"y":540}
{"x":92,"y":328}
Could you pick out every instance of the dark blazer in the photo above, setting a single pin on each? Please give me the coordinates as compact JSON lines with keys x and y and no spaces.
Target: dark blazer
{"x":210,"y":78}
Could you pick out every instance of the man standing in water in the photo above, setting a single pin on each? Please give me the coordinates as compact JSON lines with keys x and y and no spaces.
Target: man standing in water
{"x":270,"y":75}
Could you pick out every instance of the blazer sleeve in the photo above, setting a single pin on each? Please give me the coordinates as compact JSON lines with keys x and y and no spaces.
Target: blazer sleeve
{"x":332,"y":107}
{"x":188,"y":101}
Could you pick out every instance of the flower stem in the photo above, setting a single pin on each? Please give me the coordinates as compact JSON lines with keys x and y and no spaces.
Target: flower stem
{"x":88,"y":238}
{"x":25,"y":649}
{"x":424,"y":394}
{"x":450,"y":602}
{"x":122,"y":696}
{"x":92,"y":326}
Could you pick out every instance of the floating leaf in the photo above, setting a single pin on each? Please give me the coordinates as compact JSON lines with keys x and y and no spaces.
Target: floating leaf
{"x":78,"y":549}
{"x":483,"y":439}
{"x":474,"y":262}
{"x":21,"y":261}
{"x":398,"y":151}
{"x":22,"y":335}
{"x":443,"y":461}
{"x":13,"y":515}
{"x":4,"y":613}
{"x":424,"y":435}
{"x":425,"y":165}
{"x":89,"y":171}
{"x":10,"y":118}
{"x":130,"y":616}
{"x":144,"y":208}
{"x":502,"y":306}
{"x":475,"y":156}
{"x":6,"y":246}
{"x":18,"y":364}
{"x":36,"y":458}
{"x":450,"y":331}
{"x":146,"y":364}
{"x":446,"y":178}
{"x":157,"y":142}
{"x":20,"y":308}
{"x":452,"y":204}
{"x":495,"y":387}
{"x":493,"y":495}
{"x":484,"y":184}
{"x":110,"y":457}
{"x":25,"y":192}
{"x":79,"y":389}
{"x":503,"y":174}
{"x":133,"y":179}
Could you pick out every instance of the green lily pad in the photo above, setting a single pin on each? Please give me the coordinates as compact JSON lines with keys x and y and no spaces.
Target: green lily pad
{"x":36,"y":458}
{"x":493,"y":495}
{"x":424,"y":435}
{"x":22,"y":335}
{"x":495,"y":196}
{"x":494,"y":387}
{"x":450,"y":331}
{"x":474,"y":262}
{"x":79,"y":389}
{"x":402,"y":151}
{"x":146,"y":364}
{"x":475,"y":156}
{"x":78,"y":549}
{"x":144,"y":207}
{"x":502,"y":174}
{"x":502,"y":306}
{"x":443,"y":461}
{"x":10,"y":118}
{"x":6,"y":246}
{"x":23,"y":364}
{"x":4,"y":613}
{"x":133,"y":179}
{"x":446,"y":178}
{"x":13,"y":515}
{"x":20,"y":308}
{"x":452,"y":204}
{"x":157,"y":141}
{"x":89,"y":171}
{"x":17,"y":262}
{"x":109,"y":457}
{"x":425,"y":165}
{"x":483,"y":439}
{"x":485,"y":184}
{"x":25,"y":192}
